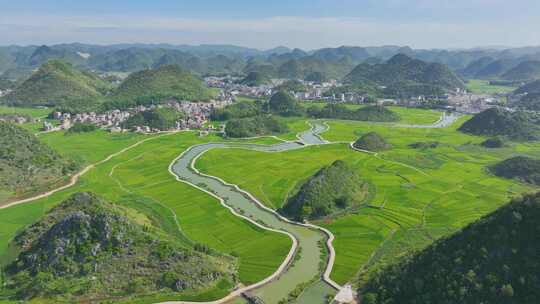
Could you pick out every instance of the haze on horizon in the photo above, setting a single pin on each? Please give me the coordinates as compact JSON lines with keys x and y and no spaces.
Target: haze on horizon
{"x":306,"y":24}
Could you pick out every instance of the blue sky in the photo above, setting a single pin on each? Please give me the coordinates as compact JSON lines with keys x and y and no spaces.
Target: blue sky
{"x":265,"y":24}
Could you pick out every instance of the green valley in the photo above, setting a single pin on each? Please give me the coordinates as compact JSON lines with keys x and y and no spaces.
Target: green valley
{"x":165,"y":168}
{"x":418,"y":193}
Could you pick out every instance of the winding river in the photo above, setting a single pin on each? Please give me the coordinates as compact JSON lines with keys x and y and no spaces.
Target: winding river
{"x":311,"y":244}
{"x":306,"y":238}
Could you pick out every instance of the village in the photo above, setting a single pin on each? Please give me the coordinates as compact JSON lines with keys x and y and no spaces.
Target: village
{"x":459,"y":100}
{"x":196,"y":115}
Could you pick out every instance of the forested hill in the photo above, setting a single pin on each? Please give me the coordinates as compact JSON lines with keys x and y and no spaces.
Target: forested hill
{"x":527,"y":70}
{"x":28,"y":165}
{"x":405,"y":76}
{"x":155,"y":85}
{"x":87,"y":249}
{"x":368,"y":113}
{"x":332,"y":189}
{"x":494,"y":121}
{"x":56,"y":82}
{"x":531,"y":98}
{"x":522,"y":168}
{"x":494,"y":260}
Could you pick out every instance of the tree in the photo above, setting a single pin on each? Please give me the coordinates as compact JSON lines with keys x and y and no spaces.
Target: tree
{"x":507,"y":291}
{"x":285,"y":104}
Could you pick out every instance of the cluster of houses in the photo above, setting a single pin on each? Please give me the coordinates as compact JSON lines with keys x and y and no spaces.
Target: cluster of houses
{"x":16,"y":118}
{"x":196,"y":115}
{"x":231,"y":86}
{"x":108,"y":120}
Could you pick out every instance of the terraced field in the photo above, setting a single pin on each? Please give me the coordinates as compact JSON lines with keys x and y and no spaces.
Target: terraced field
{"x":420,"y":195}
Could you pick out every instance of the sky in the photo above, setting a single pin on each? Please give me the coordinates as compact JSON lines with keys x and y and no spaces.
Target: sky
{"x":306,"y":24}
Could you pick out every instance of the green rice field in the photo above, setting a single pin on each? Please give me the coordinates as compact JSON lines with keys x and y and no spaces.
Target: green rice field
{"x":478,"y":86}
{"x":421,"y":195}
{"x":139,"y":179}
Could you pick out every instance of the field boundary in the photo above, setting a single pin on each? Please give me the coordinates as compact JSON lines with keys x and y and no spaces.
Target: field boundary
{"x":75,"y":178}
{"x":329,"y":236}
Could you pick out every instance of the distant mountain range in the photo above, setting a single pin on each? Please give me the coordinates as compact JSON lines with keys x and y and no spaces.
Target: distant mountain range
{"x":20,"y":61}
{"x":402,"y":75}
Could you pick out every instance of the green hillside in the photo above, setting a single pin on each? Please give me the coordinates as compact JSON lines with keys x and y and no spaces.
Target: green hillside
{"x":54,"y":83}
{"x":332,"y":189}
{"x":526,"y":70}
{"x":241,"y":109}
{"x":292,"y":86}
{"x":530,"y":101}
{"x":493,"y":143}
{"x":404,"y":76}
{"x":255,"y":78}
{"x":495,"y":69}
{"x":494,"y":121}
{"x":494,"y":260}
{"x":372,"y":142}
{"x":369,"y":113}
{"x":86,"y":249}
{"x":157,"y":85}
{"x":161,"y":119}
{"x":26,"y":164}
{"x":529,"y":88}
{"x":285,"y":104}
{"x":522,"y":168}
{"x":254,"y":126}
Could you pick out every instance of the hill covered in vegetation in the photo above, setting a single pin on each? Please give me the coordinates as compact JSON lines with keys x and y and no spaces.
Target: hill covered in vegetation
{"x":494,"y":260}
{"x":254,"y":126}
{"x":159,"y":119}
{"x":372,"y":142}
{"x":169,"y":82}
{"x":522,"y":168}
{"x":368,"y":113}
{"x":529,"y":88}
{"x":236,"y":110}
{"x":283,"y":103}
{"x":255,"y":78}
{"x":528,"y":96}
{"x":332,"y":189}
{"x":527,"y":70}
{"x":403,"y":76}
{"x":493,"y":143}
{"x":494,"y":121}
{"x":292,"y":86}
{"x":87,"y":249}
{"x":56,"y":82}
{"x":28,"y":165}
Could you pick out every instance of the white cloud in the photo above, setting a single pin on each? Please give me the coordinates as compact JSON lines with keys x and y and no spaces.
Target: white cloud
{"x":261,"y":33}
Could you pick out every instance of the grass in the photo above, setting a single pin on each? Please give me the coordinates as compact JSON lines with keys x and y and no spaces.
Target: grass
{"x":34,"y":112}
{"x":408,"y":115}
{"x":140,"y":180}
{"x":87,"y":148}
{"x":214,"y":92}
{"x":483,"y":87}
{"x":40,"y":113}
{"x":296,"y":125}
{"x":421,"y":195}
